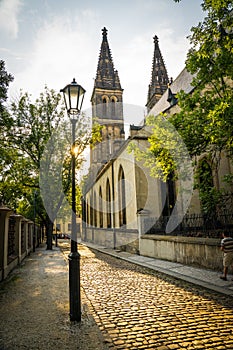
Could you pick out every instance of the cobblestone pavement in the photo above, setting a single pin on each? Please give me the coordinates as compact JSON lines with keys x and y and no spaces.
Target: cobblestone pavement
{"x":34,"y":308}
{"x":136,"y":308}
{"x":124,"y":306}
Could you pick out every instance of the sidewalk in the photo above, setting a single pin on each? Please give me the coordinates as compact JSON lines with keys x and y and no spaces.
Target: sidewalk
{"x":199,"y":276}
{"x":34,"y":308}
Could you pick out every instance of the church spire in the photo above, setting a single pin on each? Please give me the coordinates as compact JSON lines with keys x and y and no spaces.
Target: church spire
{"x":107,"y":107}
{"x":159,"y":77}
{"x":106,"y":75}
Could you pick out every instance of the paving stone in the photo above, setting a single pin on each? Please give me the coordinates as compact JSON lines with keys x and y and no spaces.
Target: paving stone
{"x":139,"y":309}
{"x":113,"y":331}
{"x":173,"y":346}
{"x":119,"y":342}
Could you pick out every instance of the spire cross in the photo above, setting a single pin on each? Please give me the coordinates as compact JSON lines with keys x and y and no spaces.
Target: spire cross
{"x":156,"y":39}
{"x":105,"y":31}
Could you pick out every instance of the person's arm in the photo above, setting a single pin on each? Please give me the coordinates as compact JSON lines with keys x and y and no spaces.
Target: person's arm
{"x":222,"y":245}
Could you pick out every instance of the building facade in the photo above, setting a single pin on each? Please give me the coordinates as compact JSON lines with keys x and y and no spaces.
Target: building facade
{"x":122,"y":203}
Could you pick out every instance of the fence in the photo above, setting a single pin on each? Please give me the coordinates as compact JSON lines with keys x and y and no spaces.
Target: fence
{"x":193,"y":225}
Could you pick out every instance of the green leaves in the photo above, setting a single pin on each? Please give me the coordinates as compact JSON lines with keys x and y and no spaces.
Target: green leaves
{"x":32,"y":123}
{"x":5,"y":79}
{"x":26,"y":127}
{"x":205,"y":118}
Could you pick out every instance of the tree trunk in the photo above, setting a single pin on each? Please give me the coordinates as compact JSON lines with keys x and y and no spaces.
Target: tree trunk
{"x":49,"y":233}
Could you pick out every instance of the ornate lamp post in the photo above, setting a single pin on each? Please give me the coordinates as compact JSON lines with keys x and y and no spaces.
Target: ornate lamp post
{"x":73,"y":96}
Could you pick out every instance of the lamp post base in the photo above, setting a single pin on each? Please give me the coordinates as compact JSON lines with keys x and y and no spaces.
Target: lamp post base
{"x":74,"y":284}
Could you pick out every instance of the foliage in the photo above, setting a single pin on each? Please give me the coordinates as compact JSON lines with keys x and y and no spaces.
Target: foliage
{"x":5,"y":158}
{"x":32,"y":124}
{"x":5,"y":79}
{"x":167,"y":155}
{"x":25,"y":131}
{"x":205,"y":118}
{"x":55,"y":165}
{"x":158,"y":156}
{"x":29,"y":135}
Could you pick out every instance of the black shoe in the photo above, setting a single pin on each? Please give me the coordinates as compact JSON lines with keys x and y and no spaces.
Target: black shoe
{"x":223,"y":278}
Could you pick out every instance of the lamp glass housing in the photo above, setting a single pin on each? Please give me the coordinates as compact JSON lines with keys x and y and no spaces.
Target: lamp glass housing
{"x":73,"y":96}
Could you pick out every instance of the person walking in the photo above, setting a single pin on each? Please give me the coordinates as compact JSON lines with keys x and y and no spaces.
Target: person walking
{"x":227,"y":248}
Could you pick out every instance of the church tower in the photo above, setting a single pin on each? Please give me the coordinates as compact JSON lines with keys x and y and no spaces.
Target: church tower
{"x":107,"y":107}
{"x":159,"y":77}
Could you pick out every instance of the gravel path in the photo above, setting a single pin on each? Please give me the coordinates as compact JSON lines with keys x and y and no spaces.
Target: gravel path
{"x":34,"y":308}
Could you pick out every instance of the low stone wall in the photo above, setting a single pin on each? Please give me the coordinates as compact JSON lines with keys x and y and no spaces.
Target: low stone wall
{"x":16,"y":239}
{"x":126,"y":240}
{"x":202,"y":252}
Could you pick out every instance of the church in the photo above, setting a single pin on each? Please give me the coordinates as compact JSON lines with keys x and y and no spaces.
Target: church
{"x":123,"y":206}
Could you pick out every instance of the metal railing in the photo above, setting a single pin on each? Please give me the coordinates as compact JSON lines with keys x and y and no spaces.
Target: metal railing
{"x":193,"y":225}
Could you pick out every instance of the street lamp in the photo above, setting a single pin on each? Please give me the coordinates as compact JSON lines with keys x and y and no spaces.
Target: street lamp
{"x":73,"y":97}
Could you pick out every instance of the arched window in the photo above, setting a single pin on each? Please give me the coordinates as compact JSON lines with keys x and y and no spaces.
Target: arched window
{"x":108,"y":204}
{"x":88,"y":213}
{"x":121,"y":197}
{"x":101,"y":221}
{"x":94,"y":211}
{"x":113,"y":109}
{"x":104,"y":107}
{"x":205,"y":175}
{"x":169,"y":195}
{"x":206,"y":185}
{"x":91,"y":210}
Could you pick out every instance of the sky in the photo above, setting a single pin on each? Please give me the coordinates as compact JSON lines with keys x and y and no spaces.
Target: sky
{"x":50,"y":42}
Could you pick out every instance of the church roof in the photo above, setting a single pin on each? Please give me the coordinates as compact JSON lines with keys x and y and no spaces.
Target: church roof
{"x":159,"y":76}
{"x":106,"y":75}
{"x":182,"y":82}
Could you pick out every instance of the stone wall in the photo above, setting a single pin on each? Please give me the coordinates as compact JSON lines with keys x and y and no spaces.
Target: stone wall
{"x":126,"y":240}
{"x":196,"y":251}
{"x":202,"y":252}
{"x":17,"y":239}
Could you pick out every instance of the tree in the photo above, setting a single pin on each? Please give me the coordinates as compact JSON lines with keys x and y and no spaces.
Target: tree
{"x":26,"y":130}
{"x":205,"y":118}
{"x":55,"y":165}
{"x":31,"y":141}
{"x":5,"y":79}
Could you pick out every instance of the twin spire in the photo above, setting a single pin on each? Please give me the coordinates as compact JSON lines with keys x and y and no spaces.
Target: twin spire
{"x":106,"y":75}
{"x":159,"y":77}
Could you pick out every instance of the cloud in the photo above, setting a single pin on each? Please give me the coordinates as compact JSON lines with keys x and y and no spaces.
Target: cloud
{"x":67,"y":46}
{"x":9,"y":10}
{"x":62,"y":50}
{"x":134,"y":61}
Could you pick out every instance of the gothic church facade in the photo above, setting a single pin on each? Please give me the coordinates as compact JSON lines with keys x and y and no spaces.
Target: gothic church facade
{"x":121,"y":201}
{"x":119,"y":186}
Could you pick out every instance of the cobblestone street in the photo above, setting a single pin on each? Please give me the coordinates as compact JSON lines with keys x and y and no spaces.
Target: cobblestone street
{"x":136,"y":308}
{"x":124,"y":306}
